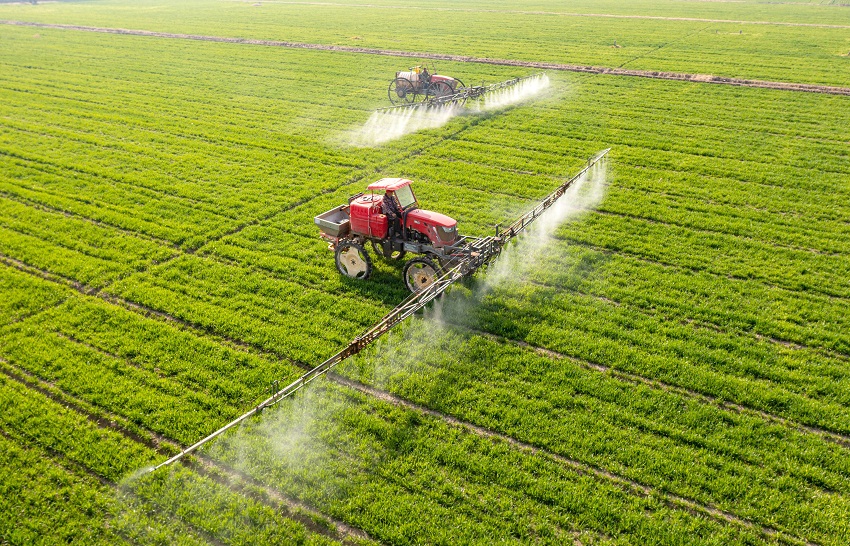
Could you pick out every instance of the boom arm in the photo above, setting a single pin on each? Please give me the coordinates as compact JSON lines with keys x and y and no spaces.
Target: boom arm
{"x":478,"y":253}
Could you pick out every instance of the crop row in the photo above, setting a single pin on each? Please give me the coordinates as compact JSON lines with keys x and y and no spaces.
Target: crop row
{"x":111,"y":329}
{"x":51,"y":455}
{"x":235,"y":168}
{"x":814,"y":321}
{"x":827,"y":158}
{"x":547,"y":319}
{"x":24,"y":295}
{"x":153,"y":373}
{"x":43,"y":503}
{"x":799,"y":385}
{"x":269,"y":312}
{"x":88,"y":374}
{"x":731,"y":49}
{"x":732,"y":461}
{"x":375,"y":464}
{"x":717,"y":253}
{"x":75,"y":248}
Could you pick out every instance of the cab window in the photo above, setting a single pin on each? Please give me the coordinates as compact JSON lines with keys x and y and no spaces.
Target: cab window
{"x":405,"y":196}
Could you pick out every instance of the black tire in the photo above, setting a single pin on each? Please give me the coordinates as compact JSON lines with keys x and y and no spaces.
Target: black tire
{"x":395,"y":255}
{"x":353,"y":261}
{"x":420,"y":273}
{"x":401,"y":91}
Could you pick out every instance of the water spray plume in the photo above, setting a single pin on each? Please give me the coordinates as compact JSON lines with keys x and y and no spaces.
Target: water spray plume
{"x":384,"y":126}
{"x":583,"y":196}
{"x":580,"y":193}
{"x":515,"y":94}
{"x":390,"y":124}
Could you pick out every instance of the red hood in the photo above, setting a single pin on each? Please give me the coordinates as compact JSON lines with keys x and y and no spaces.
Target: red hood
{"x":433,"y":218}
{"x":437,"y":78}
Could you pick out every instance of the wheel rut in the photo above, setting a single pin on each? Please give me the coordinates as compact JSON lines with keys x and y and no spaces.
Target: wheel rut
{"x":676,"y":501}
{"x":628,"y":485}
{"x":166,"y":446}
{"x":540,"y":65}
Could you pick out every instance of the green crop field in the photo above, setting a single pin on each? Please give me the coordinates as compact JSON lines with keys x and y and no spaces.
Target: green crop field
{"x":671,"y":367}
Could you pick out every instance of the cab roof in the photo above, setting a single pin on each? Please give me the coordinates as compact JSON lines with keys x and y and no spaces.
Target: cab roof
{"x":389,"y":184}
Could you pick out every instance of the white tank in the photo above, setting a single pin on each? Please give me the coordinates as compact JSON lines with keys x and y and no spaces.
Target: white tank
{"x":409,"y":75}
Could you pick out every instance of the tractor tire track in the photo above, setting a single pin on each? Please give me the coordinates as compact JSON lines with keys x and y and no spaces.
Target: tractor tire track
{"x":251,"y":348}
{"x":540,"y":65}
{"x":561,"y":13}
{"x":627,"y":484}
{"x":165,"y":446}
{"x":637,"y":379}
{"x":63,"y":462}
{"x":634,"y":486}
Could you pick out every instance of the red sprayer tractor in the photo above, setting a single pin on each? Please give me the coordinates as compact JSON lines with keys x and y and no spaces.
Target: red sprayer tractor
{"x":363,"y":223}
{"x":418,"y":88}
{"x":418,"y":84}
{"x":433,"y":237}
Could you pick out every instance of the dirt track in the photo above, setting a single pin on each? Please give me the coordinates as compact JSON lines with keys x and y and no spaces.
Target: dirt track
{"x":698,"y":78}
{"x":561,"y":13}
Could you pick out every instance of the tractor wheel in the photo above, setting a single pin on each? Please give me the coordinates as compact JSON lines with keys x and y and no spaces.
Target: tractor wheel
{"x":401,"y":91}
{"x":394,"y":255}
{"x":440,"y":89}
{"x":353,"y":261}
{"x":420,"y":273}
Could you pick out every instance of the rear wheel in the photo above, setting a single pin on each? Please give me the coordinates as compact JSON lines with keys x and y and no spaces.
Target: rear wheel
{"x":420,"y":273}
{"x":401,"y":91}
{"x":353,"y":261}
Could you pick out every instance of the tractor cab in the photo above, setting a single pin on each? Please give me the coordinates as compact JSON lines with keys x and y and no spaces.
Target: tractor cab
{"x":400,"y":187}
{"x":419,"y":225}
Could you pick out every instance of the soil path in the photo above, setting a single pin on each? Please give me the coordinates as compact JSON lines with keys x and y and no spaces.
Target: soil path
{"x":558,"y":13}
{"x":679,"y":76}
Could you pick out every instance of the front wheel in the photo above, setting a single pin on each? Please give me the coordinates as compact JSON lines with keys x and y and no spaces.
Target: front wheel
{"x":353,"y":261}
{"x":440,"y":90}
{"x":420,"y":273}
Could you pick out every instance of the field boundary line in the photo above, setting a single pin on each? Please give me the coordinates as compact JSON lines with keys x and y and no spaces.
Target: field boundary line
{"x":556,"y":13}
{"x":728,"y":276}
{"x":157,"y":442}
{"x":715,"y":231}
{"x":836,"y":437}
{"x":540,"y":65}
{"x":63,"y":462}
{"x":634,"y":486}
{"x":627,"y":484}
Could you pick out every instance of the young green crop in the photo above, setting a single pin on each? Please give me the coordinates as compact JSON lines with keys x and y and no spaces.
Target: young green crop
{"x":700,"y":312}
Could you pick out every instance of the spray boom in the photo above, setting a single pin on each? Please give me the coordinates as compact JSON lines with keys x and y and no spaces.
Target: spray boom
{"x":476,"y":253}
